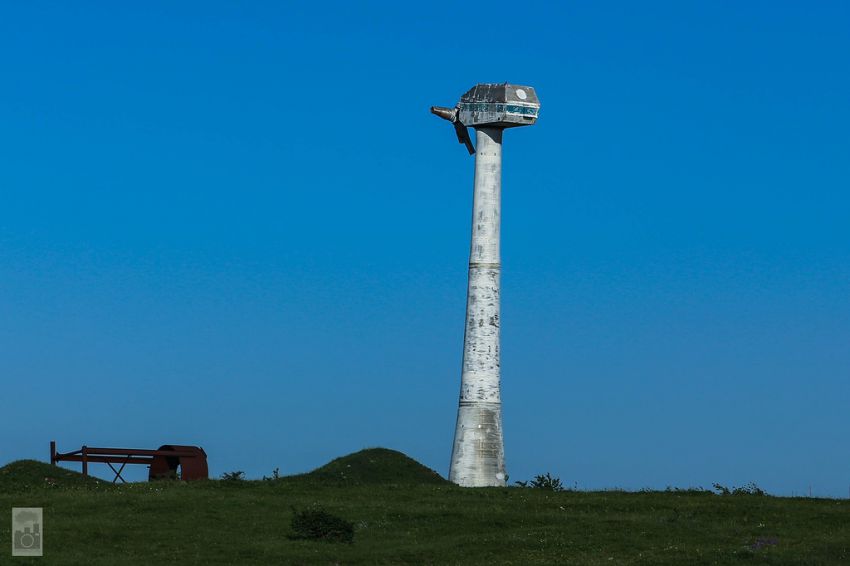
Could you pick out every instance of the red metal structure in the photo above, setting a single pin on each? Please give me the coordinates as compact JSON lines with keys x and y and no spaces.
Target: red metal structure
{"x":163,"y":462}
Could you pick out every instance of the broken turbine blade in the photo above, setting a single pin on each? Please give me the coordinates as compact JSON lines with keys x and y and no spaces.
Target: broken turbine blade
{"x":463,"y":137}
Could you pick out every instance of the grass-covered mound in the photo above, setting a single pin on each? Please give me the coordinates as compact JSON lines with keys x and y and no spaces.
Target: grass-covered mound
{"x":376,"y":466}
{"x":31,"y":474}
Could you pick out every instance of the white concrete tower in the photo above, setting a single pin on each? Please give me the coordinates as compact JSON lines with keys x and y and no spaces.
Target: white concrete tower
{"x":478,"y":456}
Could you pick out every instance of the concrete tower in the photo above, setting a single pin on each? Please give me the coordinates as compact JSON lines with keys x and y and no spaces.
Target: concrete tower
{"x":478,"y":456}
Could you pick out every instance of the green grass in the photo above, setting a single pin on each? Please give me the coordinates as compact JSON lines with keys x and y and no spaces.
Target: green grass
{"x":405,"y":514}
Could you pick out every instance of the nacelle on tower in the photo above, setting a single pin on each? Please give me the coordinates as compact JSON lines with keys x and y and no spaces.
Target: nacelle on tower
{"x":498,"y":105}
{"x":489,"y":105}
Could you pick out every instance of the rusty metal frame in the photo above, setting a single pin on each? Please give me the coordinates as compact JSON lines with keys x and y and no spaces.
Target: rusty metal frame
{"x":90,"y":454}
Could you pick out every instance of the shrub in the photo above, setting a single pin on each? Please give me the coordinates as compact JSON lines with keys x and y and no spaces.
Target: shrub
{"x":318,"y":524}
{"x":749,"y":489}
{"x":687,"y":490}
{"x":275,"y":475}
{"x":543,"y":482}
{"x":233,"y":476}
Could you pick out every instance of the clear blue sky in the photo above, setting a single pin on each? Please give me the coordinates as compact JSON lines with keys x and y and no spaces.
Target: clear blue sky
{"x":238,"y":226}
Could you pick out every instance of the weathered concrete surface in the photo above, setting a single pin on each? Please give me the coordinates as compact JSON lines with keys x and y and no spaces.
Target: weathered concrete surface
{"x":478,"y":456}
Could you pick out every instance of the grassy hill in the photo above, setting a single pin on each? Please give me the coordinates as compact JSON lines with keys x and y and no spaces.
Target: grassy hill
{"x":404,"y":513}
{"x":23,"y":475}
{"x":376,"y":466}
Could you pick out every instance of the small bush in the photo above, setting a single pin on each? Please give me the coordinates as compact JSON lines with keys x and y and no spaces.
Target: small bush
{"x":749,"y":489}
{"x":688,"y":490}
{"x":317,"y":524}
{"x":275,"y":475}
{"x":543,"y":482}
{"x":233,"y":476}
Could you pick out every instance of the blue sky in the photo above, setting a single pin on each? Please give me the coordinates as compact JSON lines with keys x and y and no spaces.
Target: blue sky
{"x":239,"y":227}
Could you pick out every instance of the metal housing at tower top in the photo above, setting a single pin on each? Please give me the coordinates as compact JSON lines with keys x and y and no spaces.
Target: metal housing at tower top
{"x":498,"y":105}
